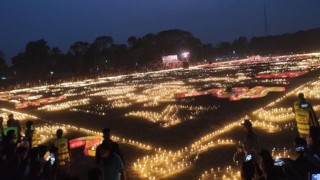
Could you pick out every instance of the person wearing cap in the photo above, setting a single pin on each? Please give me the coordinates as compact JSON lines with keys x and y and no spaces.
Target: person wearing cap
{"x":305,"y":117}
{"x":251,"y":142}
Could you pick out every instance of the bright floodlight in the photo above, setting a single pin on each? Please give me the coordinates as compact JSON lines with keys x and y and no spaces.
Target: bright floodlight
{"x":185,"y":54}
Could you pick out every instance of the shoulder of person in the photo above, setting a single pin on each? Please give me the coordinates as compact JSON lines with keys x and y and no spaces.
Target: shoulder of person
{"x":113,"y":143}
{"x":116,"y":156}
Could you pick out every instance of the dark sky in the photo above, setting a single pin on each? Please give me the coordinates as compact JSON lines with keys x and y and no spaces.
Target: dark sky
{"x":63,"y":22}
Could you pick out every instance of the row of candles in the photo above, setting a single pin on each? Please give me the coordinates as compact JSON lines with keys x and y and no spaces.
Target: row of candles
{"x":181,"y":158}
{"x":233,"y":172}
{"x":273,"y":115}
{"x":47,"y":129}
{"x":65,"y":105}
{"x":169,"y":116}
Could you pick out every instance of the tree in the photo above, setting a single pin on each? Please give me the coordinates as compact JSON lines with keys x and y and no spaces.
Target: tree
{"x":103,"y":42}
{"x":177,"y":41}
{"x":79,"y":51}
{"x":3,"y":65}
{"x":224,"y":48}
{"x":55,"y":59}
{"x":240,"y":45}
{"x":98,"y":51}
{"x":37,"y":48}
{"x":119,"y":56}
{"x":151,"y":47}
{"x":79,"y":48}
{"x":132,"y":41}
{"x":34,"y":62}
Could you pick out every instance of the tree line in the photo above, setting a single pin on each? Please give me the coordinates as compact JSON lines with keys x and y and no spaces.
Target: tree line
{"x":40,"y":61}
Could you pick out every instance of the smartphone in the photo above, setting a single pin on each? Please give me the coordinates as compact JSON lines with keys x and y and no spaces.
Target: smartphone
{"x":52,"y":158}
{"x":315,"y":176}
{"x":299,"y":148}
{"x":279,"y":162}
{"x":248,"y":157}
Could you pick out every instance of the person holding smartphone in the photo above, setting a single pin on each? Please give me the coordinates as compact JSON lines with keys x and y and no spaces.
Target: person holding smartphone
{"x":250,"y":168}
{"x":302,"y":164}
{"x":272,"y":169}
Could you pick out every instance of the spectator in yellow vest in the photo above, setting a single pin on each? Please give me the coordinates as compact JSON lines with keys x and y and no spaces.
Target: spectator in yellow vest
{"x":305,"y":117}
{"x":60,"y":148}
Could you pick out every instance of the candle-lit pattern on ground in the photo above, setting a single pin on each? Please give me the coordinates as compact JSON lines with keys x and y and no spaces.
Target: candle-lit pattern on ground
{"x":146,"y":90}
{"x":166,"y":163}
{"x":169,"y":116}
{"x":275,"y":114}
{"x":17,"y":115}
{"x":65,"y":105}
{"x":272,"y":116}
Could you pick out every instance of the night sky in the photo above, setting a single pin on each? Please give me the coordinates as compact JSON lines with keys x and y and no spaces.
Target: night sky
{"x":63,"y":22}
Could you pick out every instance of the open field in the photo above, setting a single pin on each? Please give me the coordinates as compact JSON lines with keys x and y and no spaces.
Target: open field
{"x":176,"y":124}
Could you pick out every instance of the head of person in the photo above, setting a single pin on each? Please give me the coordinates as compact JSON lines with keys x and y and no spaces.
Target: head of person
{"x":42,"y":150}
{"x":10,"y":116}
{"x":300,"y":145}
{"x":106,"y":133}
{"x":11,"y":134}
{"x":247,"y":125}
{"x":29,"y":124}
{"x":95,"y":174}
{"x":59,"y":133}
{"x":240,"y":148}
{"x":105,"y":149}
{"x":301,"y":96}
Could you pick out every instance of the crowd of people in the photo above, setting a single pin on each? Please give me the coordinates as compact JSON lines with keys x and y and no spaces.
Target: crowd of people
{"x":259,"y":164}
{"x":22,"y":158}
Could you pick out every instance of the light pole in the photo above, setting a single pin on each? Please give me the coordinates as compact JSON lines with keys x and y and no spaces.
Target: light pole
{"x":185,"y":59}
{"x":185,"y":55}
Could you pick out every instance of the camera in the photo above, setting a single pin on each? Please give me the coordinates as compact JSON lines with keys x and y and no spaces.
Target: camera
{"x":279,"y":162}
{"x":52,"y":158}
{"x":248,"y":157}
